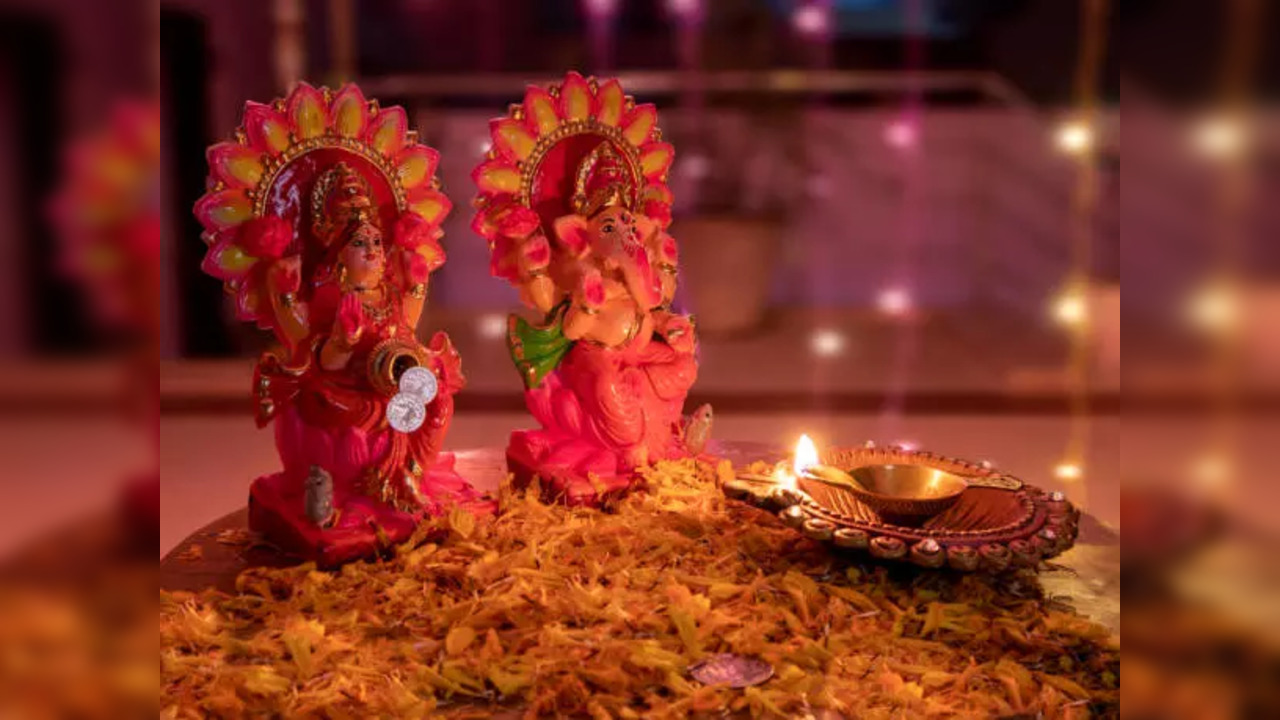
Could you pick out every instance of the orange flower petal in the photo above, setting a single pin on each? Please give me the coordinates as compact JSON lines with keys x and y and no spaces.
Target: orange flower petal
{"x":266,"y":129}
{"x":431,"y":204}
{"x":224,"y":209}
{"x":575,"y":98}
{"x":484,"y":222}
{"x":655,"y":159}
{"x":639,"y":124}
{"x":387,"y":131}
{"x":350,"y":111}
{"x":228,"y":261}
{"x":610,"y":102}
{"x":234,"y":164}
{"x":540,"y":111}
{"x":511,"y":138}
{"x":656,"y":191}
{"x":307,"y":111}
{"x":416,"y":165}
{"x":432,"y":254}
{"x":496,"y":176}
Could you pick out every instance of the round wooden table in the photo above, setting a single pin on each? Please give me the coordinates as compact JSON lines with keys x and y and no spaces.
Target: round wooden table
{"x":212,"y":557}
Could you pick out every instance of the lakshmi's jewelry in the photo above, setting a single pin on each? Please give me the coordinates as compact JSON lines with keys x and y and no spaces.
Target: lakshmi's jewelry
{"x":374,"y":313}
{"x":419,"y":290}
{"x":667,"y":268}
{"x":286,"y":299}
{"x":587,"y":310}
{"x":377,"y":312}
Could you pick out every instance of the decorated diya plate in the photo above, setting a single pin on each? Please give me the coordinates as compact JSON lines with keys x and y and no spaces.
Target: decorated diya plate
{"x":919,"y":507}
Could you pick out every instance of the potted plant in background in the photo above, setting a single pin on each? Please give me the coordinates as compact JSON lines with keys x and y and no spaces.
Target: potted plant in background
{"x":735,"y":187}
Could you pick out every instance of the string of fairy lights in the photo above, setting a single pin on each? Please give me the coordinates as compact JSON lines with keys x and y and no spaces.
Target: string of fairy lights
{"x":1222,"y":138}
{"x":1071,"y":309}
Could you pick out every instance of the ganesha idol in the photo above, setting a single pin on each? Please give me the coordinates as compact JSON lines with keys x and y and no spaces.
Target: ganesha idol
{"x":574,"y":204}
{"x":323,"y":220}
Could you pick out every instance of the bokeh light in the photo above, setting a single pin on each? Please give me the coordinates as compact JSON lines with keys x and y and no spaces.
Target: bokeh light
{"x":810,"y":19}
{"x":1074,"y":137}
{"x":1071,"y":310}
{"x":901,"y":134}
{"x":827,"y":342}
{"x":894,"y":301}
{"x":1219,"y":137}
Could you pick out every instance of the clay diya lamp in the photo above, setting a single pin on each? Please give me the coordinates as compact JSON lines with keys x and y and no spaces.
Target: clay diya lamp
{"x":901,"y":493}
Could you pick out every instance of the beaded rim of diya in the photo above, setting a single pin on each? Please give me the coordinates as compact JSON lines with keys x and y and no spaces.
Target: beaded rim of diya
{"x":999,"y":521}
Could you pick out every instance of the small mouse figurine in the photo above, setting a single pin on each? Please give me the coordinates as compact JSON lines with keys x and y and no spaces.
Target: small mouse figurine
{"x":697,"y":430}
{"x":319,"y":497}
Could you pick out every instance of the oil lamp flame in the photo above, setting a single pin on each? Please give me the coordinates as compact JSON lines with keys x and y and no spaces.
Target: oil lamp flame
{"x":806,"y":455}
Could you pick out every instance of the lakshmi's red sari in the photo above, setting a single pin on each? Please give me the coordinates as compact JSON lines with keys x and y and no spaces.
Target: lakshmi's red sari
{"x":337,"y":420}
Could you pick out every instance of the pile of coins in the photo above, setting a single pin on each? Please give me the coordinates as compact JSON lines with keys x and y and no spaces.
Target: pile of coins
{"x":407,"y":410}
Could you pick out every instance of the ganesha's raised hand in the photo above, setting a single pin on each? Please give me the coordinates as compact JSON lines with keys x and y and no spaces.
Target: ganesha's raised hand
{"x":590,"y":294}
{"x":535,"y":256}
{"x":677,"y":330}
{"x":532,"y":260}
{"x":588,"y":298}
{"x":668,"y":257}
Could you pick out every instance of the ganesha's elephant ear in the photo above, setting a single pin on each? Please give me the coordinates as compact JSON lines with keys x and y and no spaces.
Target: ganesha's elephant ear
{"x":536,"y":351}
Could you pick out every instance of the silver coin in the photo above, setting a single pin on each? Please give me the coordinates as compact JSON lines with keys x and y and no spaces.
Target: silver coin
{"x":420,"y":383}
{"x":406,"y":413}
{"x":736,"y":671}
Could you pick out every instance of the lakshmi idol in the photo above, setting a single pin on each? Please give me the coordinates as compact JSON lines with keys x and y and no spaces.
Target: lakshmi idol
{"x":323,"y":219}
{"x":574,"y":204}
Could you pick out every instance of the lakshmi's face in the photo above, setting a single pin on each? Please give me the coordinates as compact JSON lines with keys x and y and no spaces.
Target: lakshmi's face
{"x":364,"y":257}
{"x":614,"y":228}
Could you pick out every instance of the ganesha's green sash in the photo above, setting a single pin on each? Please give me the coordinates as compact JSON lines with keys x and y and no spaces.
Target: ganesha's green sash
{"x":535,"y":350}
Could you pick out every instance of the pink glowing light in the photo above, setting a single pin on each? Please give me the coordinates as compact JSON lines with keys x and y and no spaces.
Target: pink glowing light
{"x":901,"y":134}
{"x":894,"y":301}
{"x":810,"y":19}
{"x":600,"y":8}
{"x":696,"y":166}
{"x":685,"y":9}
{"x":491,"y":326}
